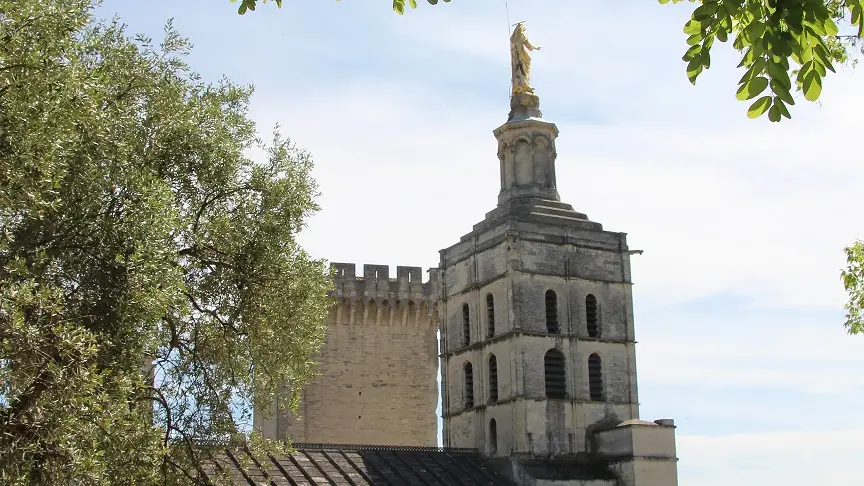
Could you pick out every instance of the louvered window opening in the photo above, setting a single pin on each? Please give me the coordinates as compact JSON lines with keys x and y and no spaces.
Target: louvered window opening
{"x":466,"y":324}
{"x":556,"y":379}
{"x":551,"y":312}
{"x":595,"y":378}
{"x":591,"y":316}
{"x":469,"y":386}
{"x":493,"y":379}
{"x":490,"y":314}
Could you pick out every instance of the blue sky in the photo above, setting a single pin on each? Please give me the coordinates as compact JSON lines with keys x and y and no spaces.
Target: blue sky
{"x":738,"y":300}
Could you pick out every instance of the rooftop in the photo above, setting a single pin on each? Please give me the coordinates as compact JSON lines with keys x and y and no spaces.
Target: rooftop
{"x":360,"y":465}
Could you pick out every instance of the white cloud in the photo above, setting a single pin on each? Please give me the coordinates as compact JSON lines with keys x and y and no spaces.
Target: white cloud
{"x":792,"y":458}
{"x":747,"y":348}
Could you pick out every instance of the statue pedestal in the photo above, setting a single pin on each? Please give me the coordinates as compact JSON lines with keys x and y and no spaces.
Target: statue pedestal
{"x":526,"y":151}
{"x":524,"y":106}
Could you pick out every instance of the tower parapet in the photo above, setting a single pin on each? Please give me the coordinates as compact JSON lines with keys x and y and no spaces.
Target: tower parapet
{"x":375,"y":298}
{"x":375,"y":282}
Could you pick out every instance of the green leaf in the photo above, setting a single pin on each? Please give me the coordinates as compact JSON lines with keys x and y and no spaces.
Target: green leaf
{"x":738,"y":44}
{"x":782,"y":92}
{"x":774,"y":114}
{"x":730,"y":9}
{"x":805,"y":54}
{"x":692,"y":27}
{"x":755,"y":69}
{"x":748,"y":58}
{"x":755,"y":31}
{"x":752,"y":88}
{"x":399,"y":6}
{"x":413,"y":3}
{"x":819,"y":68}
{"x":694,"y":39}
{"x":692,"y":53}
{"x":759,"y":107}
{"x":812,"y":86}
{"x":781,"y":107}
{"x":704,"y":11}
{"x":814,"y":28}
{"x":777,"y":73}
{"x":823,"y":56}
{"x":722,"y":35}
{"x":694,"y":68}
{"x":830,"y":27}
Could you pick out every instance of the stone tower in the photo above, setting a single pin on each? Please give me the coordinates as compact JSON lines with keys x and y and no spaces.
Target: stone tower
{"x":536,"y":317}
{"x":378,"y":366}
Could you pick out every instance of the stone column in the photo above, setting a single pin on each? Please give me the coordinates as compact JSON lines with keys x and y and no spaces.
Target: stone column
{"x":526,"y":152}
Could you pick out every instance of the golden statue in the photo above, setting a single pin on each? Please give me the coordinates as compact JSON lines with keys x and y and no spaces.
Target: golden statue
{"x":520,"y":61}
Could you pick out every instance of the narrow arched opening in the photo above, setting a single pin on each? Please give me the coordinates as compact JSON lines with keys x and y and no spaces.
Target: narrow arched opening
{"x":493,"y":437}
{"x":595,"y":378}
{"x":466,"y":325}
{"x":490,"y":315}
{"x":555,"y":374}
{"x":493,"y":379}
{"x":551,"y":312}
{"x":469,"y":385}
{"x":591,"y":316}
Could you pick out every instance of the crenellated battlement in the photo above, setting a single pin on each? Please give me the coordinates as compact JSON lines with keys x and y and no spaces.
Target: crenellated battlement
{"x":376,"y":282}
{"x":375,"y":298}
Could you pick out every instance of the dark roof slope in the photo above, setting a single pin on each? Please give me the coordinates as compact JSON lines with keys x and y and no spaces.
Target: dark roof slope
{"x":357,"y":465}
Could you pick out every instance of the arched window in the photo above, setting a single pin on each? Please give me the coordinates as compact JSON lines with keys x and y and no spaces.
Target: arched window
{"x":490,"y":315}
{"x":343,"y":313}
{"x":493,"y":436}
{"x":412,"y":312}
{"x":469,"y":386}
{"x":466,"y":325}
{"x":591,"y":315}
{"x":372,"y":312}
{"x":385,"y":312}
{"x":493,"y":379}
{"x":595,"y":378}
{"x":551,"y":312}
{"x":358,"y":311}
{"x":556,"y":379}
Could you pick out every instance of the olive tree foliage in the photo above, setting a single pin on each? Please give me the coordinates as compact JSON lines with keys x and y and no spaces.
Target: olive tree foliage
{"x":134,"y":229}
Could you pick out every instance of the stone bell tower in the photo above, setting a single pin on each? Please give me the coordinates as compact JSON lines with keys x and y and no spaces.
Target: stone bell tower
{"x":536,"y":316}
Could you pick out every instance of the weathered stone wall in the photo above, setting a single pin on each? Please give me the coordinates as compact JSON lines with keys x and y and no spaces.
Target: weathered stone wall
{"x":643,"y":453}
{"x":517,"y":264}
{"x":378,"y":367}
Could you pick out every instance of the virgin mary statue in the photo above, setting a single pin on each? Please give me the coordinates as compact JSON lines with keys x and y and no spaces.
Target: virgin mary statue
{"x":520,"y":60}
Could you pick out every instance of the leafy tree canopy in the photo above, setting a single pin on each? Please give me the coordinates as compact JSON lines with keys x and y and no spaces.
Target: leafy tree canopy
{"x":780,"y":41}
{"x":135,"y":230}
{"x":853,"y":281}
